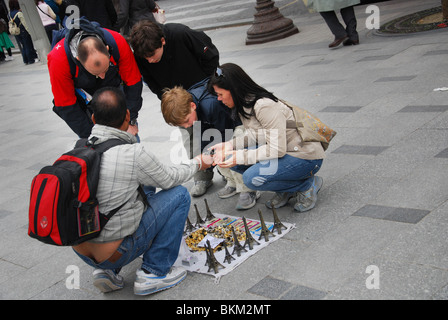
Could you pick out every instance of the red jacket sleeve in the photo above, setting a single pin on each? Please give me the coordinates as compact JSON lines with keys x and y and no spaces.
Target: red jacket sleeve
{"x":61,"y":80}
{"x":63,"y":87}
{"x":130,"y":75}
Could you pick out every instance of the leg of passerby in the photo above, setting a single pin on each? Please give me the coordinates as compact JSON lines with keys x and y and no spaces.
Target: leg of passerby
{"x":9,"y":57}
{"x":445,"y":10}
{"x":348,"y":15}
{"x":20,"y":41}
{"x":338,"y":30}
{"x":28,"y":47}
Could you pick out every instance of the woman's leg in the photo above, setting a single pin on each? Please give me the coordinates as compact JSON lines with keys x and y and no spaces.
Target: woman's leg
{"x":287,"y":174}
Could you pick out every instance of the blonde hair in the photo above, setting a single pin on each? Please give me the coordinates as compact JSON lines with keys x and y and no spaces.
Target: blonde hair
{"x":176,"y":105}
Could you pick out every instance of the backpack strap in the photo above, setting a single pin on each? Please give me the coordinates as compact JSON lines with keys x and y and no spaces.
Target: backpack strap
{"x":101,"y":148}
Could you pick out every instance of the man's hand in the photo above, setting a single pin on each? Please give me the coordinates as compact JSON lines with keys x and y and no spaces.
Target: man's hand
{"x":205,"y":161}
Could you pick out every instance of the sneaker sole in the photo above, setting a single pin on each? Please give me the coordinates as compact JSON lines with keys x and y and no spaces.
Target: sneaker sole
{"x":105,"y":285}
{"x":156,"y":287}
{"x":227,"y":195}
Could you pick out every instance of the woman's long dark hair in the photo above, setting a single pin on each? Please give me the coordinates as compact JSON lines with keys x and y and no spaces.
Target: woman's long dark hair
{"x":245,"y":92}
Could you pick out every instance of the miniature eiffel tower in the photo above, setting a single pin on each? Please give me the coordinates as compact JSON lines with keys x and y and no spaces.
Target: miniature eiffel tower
{"x":211,"y":259}
{"x":228,"y":258}
{"x":236,"y":244}
{"x":210,"y":216}
{"x":277,"y":223}
{"x":249,"y":239}
{"x":189,"y":227}
{"x":199,"y":220}
{"x":264,"y":230}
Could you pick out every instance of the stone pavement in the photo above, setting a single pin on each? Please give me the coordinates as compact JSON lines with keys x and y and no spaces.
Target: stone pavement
{"x":379,"y":228}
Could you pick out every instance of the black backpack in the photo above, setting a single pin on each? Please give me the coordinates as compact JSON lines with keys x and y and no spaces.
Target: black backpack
{"x":63,"y":207}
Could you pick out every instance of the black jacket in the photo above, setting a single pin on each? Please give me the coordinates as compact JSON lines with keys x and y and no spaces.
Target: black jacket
{"x":101,"y":11}
{"x":189,"y":56}
{"x":133,"y":11}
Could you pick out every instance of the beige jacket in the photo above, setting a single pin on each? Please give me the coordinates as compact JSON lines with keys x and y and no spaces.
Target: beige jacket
{"x":272,"y":130}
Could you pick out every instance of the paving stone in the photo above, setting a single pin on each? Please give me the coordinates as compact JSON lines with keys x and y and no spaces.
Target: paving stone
{"x":407,"y":215}
{"x":270,"y":288}
{"x":361,"y":150}
{"x":303,"y":293}
{"x":399,"y":78}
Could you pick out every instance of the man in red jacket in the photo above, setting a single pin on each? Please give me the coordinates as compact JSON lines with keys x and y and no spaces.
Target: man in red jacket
{"x":87,"y":59}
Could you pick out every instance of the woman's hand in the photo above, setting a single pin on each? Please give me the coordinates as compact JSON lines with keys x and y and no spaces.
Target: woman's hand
{"x":229,"y":160}
{"x":219,"y":151}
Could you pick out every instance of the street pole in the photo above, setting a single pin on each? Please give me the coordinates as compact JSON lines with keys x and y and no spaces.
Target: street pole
{"x":36,"y":29}
{"x":269,"y":24}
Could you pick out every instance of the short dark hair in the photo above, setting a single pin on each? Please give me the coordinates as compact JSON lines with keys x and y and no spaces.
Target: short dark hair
{"x":109,"y":107}
{"x":145,"y":38}
{"x":89,"y":45}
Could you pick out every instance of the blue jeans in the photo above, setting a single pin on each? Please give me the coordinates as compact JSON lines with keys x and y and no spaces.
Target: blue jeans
{"x":286,"y":174}
{"x":28,"y":51}
{"x":159,"y":234}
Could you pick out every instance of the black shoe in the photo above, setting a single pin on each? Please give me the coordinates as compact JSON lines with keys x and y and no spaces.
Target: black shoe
{"x":350,"y":42}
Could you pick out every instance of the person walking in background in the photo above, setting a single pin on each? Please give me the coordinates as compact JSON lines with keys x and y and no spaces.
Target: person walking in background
{"x":101,"y":11}
{"x":445,"y":10}
{"x":5,"y":42}
{"x":133,"y":11}
{"x":48,"y":18}
{"x":24,"y":38}
{"x":327,"y":9}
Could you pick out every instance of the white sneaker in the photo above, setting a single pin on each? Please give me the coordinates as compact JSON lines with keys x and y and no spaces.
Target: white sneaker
{"x":147,"y":283}
{"x":9,"y":58}
{"x":107,"y":280}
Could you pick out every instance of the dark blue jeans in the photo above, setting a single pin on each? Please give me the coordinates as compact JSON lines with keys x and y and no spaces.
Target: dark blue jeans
{"x":286,"y":174}
{"x":28,"y":51}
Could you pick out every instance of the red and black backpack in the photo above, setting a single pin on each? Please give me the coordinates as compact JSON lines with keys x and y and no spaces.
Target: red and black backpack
{"x":63,"y":207}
